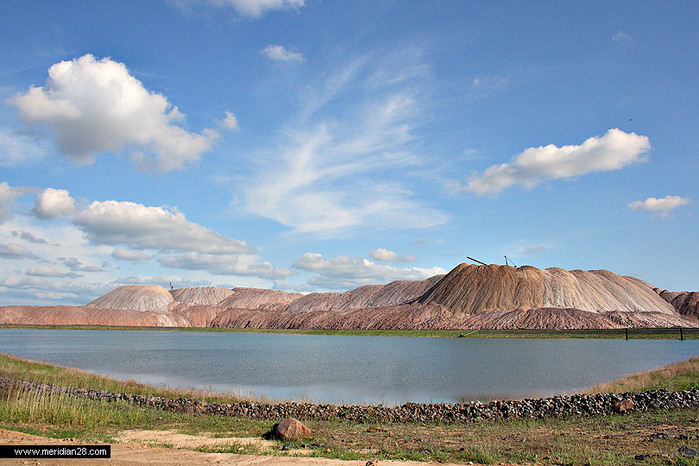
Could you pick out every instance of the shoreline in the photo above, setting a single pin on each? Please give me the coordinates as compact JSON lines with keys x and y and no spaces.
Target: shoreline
{"x":672,"y":333}
{"x":581,"y":405}
{"x":617,"y":435}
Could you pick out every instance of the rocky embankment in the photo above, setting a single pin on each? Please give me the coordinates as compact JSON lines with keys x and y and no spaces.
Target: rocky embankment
{"x":442,"y":413}
{"x":468,"y":297}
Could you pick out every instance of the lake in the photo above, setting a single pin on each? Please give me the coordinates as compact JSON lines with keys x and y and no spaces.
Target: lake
{"x":348,"y":369}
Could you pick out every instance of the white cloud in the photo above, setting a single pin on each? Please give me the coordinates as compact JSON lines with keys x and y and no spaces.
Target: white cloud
{"x":15,"y":251}
{"x":53,"y":203}
{"x":621,"y":36}
{"x":663,"y":205}
{"x":129,"y":255}
{"x":256,"y":8}
{"x":613,"y":151}
{"x":7,"y":195}
{"x":161,"y":280}
{"x":347,"y":166}
{"x":143,"y":227}
{"x":95,"y":106}
{"x":384,"y":255}
{"x":280,"y":53}
{"x":20,"y":148}
{"x":229,"y":122}
{"x":349,"y":272}
{"x":48,"y":271}
{"x":224,"y":265}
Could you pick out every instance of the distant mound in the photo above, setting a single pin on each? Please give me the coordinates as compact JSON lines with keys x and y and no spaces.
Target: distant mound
{"x":368,"y":296}
{"x":477,"y":289}
{"x":204,"y":295}
{"x":135,"y":297}
{"x":685,"y":302}
{"x":468,"y":297}
{"x":258,"y":298}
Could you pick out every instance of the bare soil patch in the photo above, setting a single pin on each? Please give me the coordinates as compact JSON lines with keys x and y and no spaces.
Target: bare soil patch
{"x":141,"y":447}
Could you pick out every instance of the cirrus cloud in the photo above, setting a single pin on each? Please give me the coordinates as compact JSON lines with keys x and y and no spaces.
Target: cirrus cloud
{"x":96,"y":106}
{"x":535,"y":165}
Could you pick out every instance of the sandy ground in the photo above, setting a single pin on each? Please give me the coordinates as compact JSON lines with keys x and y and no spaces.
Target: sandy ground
{"x":141,"y":447}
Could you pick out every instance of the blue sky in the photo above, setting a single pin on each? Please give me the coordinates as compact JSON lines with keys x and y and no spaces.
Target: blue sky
{"x":311,"y":145}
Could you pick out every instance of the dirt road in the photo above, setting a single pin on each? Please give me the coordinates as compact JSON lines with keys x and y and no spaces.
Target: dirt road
{"x":141,"y":447}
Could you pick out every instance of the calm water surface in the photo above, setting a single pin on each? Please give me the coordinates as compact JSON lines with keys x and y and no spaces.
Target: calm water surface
{"x":348,"y":369}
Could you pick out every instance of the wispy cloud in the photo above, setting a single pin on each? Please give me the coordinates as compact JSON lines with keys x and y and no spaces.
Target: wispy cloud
{"x":249,"y":8}
{"x":20,"y":148}
{"x":621,"y":36}
{"x":280,"y":53}
{"x":663,"y":205}
{"x":340,"y":167}
{"x":613,"y":151}
{"x":384,"y":255}
{"x":7,"y":195}
{"x":350,"y":272}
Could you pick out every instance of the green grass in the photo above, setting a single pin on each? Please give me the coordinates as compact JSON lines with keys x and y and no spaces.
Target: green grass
{"x":679,"y":376}
{"x":636,"y":333}
{"x":32,"y":371}
{"x":603,"y":440}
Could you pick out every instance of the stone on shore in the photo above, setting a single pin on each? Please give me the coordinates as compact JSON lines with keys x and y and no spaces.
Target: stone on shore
{"x":290,"y":429}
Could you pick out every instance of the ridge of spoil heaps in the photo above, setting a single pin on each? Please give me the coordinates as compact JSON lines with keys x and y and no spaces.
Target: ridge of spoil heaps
{"x":470,"y":296}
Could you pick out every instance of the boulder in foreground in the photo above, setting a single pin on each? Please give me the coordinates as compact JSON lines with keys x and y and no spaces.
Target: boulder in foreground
{"x":290,"y":429}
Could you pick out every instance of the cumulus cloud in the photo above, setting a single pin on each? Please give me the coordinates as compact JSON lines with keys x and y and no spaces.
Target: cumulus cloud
{"x":663,"y":205}
{"x":15,"y":251}
{"x":53,"y":203}
{"x":224,"y":265}
{"x":613,"y":151}
{"x":142,"y":227}
{"x":280,"y":53}
{"x":129,"y":255}
{"x":95,"y":106}
{"x":384,"y":255}
{"x":229,"y":122}
{"x":349,"y":272}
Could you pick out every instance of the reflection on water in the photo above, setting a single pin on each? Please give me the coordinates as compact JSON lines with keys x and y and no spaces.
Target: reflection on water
{"x":348,"y":369}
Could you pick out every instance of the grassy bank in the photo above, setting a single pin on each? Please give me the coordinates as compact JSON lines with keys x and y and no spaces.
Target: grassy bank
{"x":608,"y":440}
{"x":635,"y":333}
{"x":680,"y":376}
